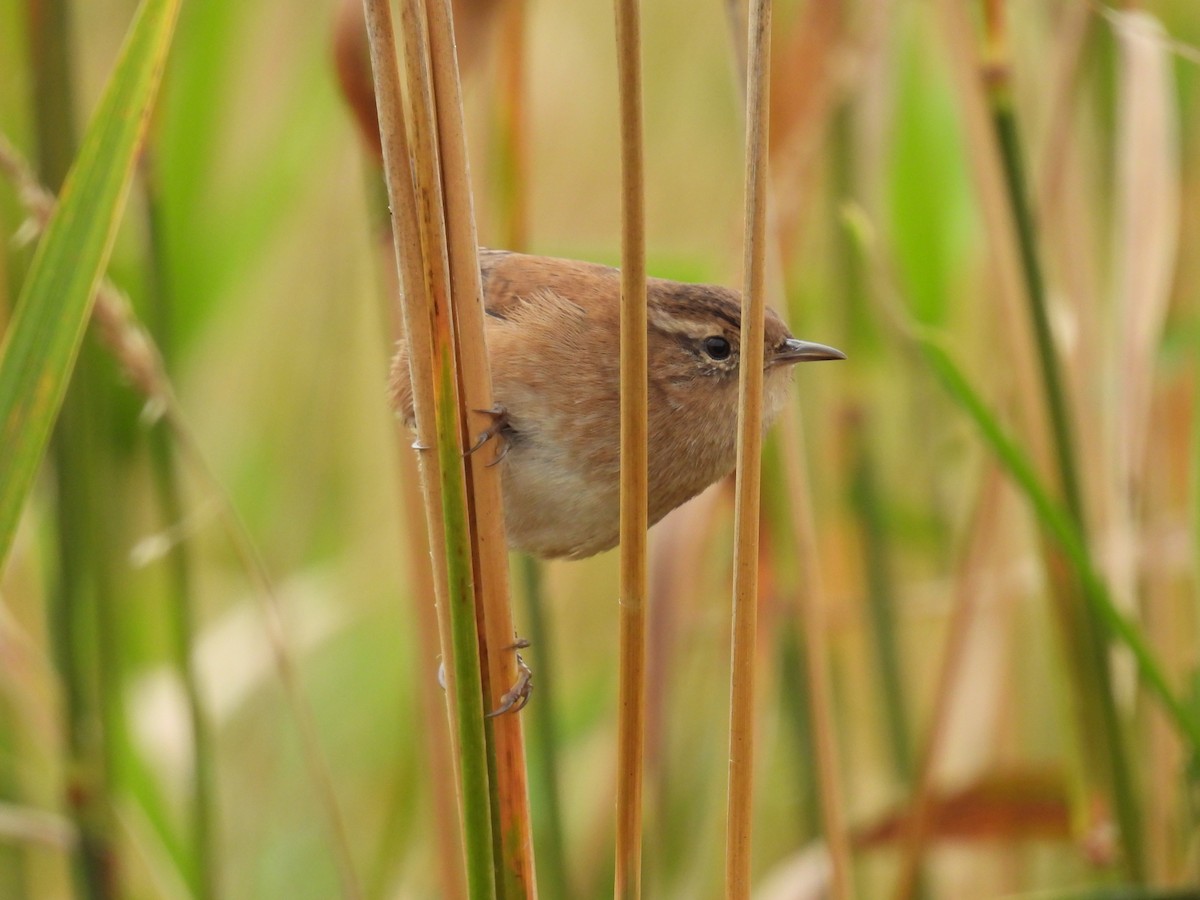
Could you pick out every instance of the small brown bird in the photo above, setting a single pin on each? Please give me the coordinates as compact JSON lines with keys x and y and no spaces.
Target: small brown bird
{"x":553,"y":336}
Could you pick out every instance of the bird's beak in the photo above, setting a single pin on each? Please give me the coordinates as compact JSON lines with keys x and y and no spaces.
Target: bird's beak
{"x":795,"y":351}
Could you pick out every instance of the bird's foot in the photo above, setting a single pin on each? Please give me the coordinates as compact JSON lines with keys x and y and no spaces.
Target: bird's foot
{"x":515,"y":698}
{"x":499,"y":423}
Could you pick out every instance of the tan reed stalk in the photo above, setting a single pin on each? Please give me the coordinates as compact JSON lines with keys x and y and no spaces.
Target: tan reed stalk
{"x":413,"y":268}
{"x":811,"y":598}
{"x":810,"y":592}
{"x":513,"y":144}
{"x":967,"y":590}
{"x":430,"y":581}
{"x":515,"y":869}
{"x":749,"y":461}
{"x":439,"y":748}
{"x":439,"y":737}
{"x":631,"y":725}
{"x":421,"y":257}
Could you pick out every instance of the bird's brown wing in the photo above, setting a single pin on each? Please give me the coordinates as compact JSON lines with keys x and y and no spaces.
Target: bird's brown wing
{"x":531,"y":292}
{"x":513,"y":280}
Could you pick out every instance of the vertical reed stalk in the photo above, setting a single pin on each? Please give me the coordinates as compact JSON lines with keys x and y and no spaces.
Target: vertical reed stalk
{"x":749,"y":461}
{"x":420,"y":245}
{"x":512,"y":179}
{"x":352,"y":52}
{"x":631,"y":726}
{"x":513,"y":143}
{"x":1090,"y":643}
{"x":515,"y":868}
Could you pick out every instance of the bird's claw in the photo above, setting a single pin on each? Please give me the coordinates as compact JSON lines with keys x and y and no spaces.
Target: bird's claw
{"x":499,"y":416}
{"x":515,"y":698}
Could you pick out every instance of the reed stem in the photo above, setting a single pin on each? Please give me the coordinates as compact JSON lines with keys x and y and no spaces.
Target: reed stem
{"x":631,"y":725}
{"x":740,"y":798}
{"x":415,"y":197}
{"x":489,"y":546}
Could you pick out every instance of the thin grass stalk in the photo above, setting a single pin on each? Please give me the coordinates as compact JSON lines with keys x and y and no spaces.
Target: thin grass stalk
{"x":967,"y":591}
{"x":414,"y":196}
{"x":811,"y":599}
{"x":740,"y":800}
{"x":205,"y":867}
{"x":513,"y":130}
{"x":810,"y":591}
{"x":1091,"y":642}
{"x":512,"y":180}
{"x":999,"y":95}
{"x":634,"y":588}
{"x":515,"y":866}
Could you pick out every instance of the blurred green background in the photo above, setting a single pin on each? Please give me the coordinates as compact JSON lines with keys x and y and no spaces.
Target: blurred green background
{"x":251,"y":244}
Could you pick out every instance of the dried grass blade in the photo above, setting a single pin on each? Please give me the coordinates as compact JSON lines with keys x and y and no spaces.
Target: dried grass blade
{"x":740,"y":797}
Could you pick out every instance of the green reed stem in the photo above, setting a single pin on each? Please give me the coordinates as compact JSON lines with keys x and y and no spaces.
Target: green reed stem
{"x":1095,"y":681}
{"x":469,"y":713}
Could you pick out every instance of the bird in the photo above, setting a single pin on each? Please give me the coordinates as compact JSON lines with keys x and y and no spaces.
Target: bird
{"x":552,"y":328}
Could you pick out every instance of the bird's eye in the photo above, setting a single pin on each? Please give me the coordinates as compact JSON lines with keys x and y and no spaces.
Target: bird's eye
{"x":717,"y":347}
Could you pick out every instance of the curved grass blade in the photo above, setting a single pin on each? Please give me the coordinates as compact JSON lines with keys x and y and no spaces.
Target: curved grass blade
{"x":1058,"y":522}
{"x":42,"y":342}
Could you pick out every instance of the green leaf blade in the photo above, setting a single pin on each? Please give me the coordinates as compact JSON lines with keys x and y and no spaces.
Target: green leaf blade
{"x":42,"y":342}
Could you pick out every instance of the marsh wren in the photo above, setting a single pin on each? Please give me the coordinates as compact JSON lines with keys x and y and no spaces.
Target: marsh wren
{"x":553,"y":336}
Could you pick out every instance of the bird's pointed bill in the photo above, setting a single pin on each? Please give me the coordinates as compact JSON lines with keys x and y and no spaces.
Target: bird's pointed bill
{"x":795,"y":351}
